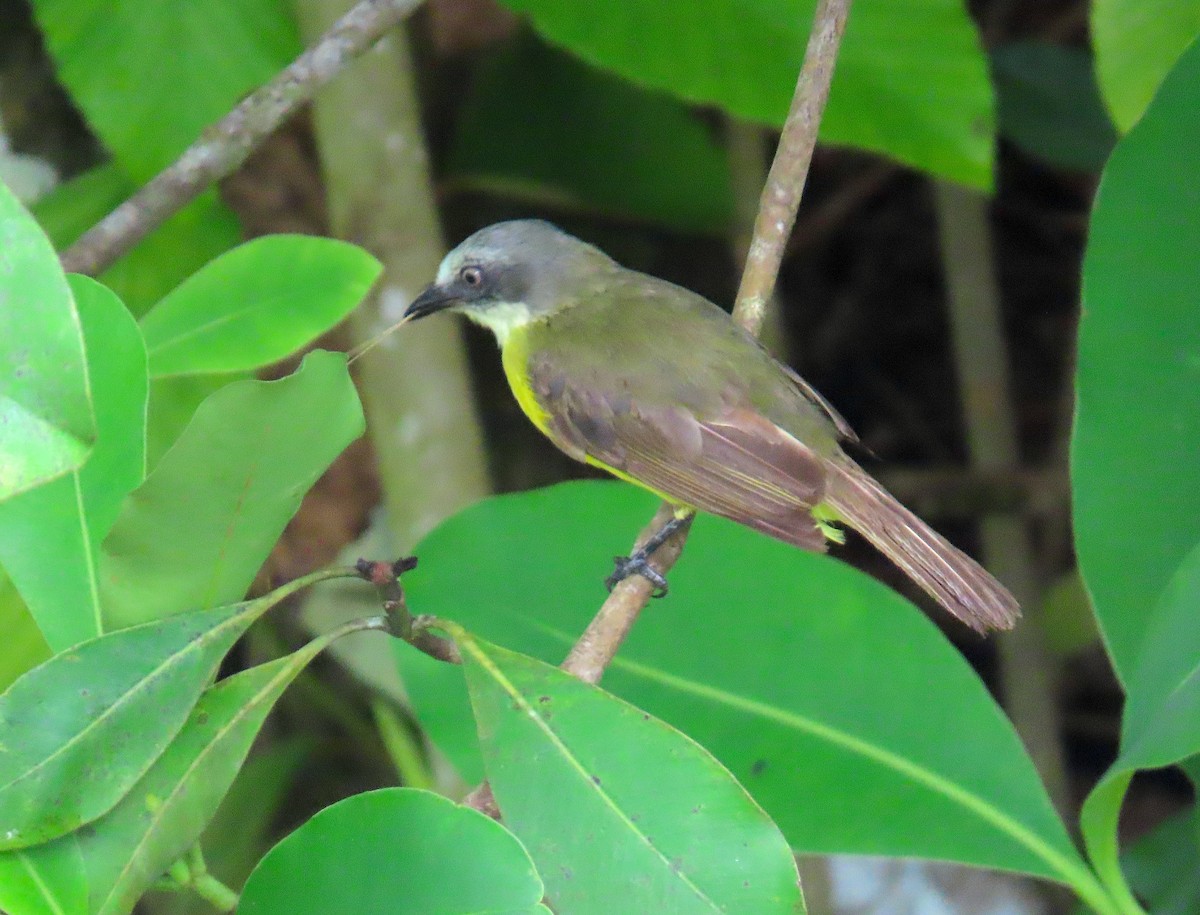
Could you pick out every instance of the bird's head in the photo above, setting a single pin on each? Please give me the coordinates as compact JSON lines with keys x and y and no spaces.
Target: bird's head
{"x":509,"y":274}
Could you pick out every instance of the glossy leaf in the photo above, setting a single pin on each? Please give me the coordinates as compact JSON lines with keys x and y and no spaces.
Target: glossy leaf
{"x":256,"y":304}
{"x":197,"y":530}
{"x":45,"y":404}
{"x":667,"y":827}
{"x":911,"y":80}
{"x":1137,"y":42}
{"x":176,"y":249}
{"x":806,"y":678}
{"x":541,"y":124}
{"x":45,"y":880}
{"x":1049,"y":104}
{"x":455,"y":861}
{"x":167,"y":810}
{"x":68,"y":518}
{"x":1137,"y":429}
{"x":150,"y":76}
{"x":81,"y":729}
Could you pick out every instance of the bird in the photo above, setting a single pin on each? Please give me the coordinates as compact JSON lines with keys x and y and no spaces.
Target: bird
{"x":660,"y":387}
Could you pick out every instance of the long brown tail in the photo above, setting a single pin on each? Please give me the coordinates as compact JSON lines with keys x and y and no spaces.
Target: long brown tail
{"x":947,"y":574}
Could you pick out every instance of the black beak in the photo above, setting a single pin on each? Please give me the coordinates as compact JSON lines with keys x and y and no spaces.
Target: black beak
{"x":432,"y":300}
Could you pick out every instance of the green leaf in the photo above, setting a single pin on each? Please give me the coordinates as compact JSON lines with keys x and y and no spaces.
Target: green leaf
{"x":79,"y":730}
{"x":1162,"y":866}
{"x":1137,"y":42}
{"x":1049,"y":104}
{"x":544,"y":125}
{"x":455,"y":861}
{"x":176,"y":249}
{"x":911,"y":80}
{"x":24,"y":645}
{"x":1098,"y":823}
{"x":165,"y":813}
{"x":45,"y":405}
{"x":68,"y":518}
{"x":150,"y":76}
{"x":173,"y":403}
{"x":806,"y":678}
{"x":246,"y":822}
{"x":1137,"y":429}
{"x":198,"y":529}
{"x":613,"y":803}
{"x":256,"y":304}
{"x":1161,"y":721}
{"x":46,"y":880}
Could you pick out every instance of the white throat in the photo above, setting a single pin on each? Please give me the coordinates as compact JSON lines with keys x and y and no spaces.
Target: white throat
{"x":501,"y":318}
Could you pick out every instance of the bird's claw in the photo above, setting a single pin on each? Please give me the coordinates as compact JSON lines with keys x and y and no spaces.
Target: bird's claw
{"x":637,"y":564}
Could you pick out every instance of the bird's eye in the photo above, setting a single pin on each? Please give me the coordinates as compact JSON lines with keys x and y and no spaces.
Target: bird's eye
{"x":472,"y":276}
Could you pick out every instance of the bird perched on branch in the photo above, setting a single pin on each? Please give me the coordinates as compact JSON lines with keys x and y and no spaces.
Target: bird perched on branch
{"x":660,"y":387}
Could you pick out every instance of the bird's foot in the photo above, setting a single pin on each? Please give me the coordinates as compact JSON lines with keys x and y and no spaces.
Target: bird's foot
{"x":637,"y":563}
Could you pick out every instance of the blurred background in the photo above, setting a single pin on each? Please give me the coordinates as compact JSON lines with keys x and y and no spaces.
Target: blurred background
{"x":930,"y":292}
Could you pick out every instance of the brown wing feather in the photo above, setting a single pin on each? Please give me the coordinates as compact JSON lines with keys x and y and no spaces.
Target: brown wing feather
{"x":738,"y":465}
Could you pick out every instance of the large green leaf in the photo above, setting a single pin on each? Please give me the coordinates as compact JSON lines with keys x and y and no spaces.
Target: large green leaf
{"x":256,"y":304}
{"x":1137,"y":42}
{"x":451,"y":860}
{"x":826,"y":694}
{"x":667,"y":827}
{"x":176,"y":249}
{"x":541,"y":124}
{"x":165,"y":812}
{"x":911,"y":80}
{"x":150,"y":76}
{"x":79,"y":730}
{"x":69,"y":517}
{"x":1137,"y":427}
{"x":45,"y":404}
{"x":198,"y":529}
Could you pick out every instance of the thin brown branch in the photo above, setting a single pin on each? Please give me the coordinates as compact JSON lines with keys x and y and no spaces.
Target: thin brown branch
{"x":228,"y":143}
{"x":785,"y":181}
{"x":596,"y":648}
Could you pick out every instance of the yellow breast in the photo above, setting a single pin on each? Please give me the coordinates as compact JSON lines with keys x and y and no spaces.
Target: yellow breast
{"x":515,"y":357}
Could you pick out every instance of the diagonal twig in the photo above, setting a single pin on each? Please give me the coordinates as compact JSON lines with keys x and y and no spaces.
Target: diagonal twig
{"x":228,"y":143}
{"x":599,"y":643}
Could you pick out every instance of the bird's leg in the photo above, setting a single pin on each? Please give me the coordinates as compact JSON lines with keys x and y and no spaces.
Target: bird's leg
{"x":637,"y":562}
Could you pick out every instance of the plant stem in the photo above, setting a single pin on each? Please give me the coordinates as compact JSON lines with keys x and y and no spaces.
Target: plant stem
{"x":227,"y":144}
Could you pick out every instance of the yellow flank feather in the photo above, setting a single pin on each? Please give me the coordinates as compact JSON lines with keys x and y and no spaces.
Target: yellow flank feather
{"x":514,"y":355}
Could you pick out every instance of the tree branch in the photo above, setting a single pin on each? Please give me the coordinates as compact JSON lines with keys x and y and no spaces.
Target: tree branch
{"x":228,"y":143}
{"x":603,"y":637}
